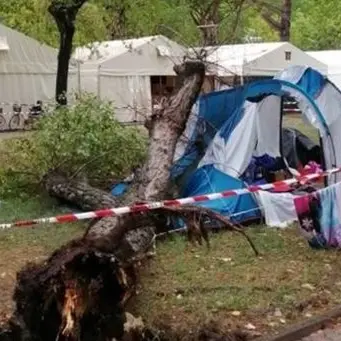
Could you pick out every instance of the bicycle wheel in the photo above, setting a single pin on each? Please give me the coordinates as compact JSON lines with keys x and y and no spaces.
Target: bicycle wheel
{"x":14,"y":123}
{"x":3,"y":122}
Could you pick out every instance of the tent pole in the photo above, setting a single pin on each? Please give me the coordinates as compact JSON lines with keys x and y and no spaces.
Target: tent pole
{"x":79,"y":78}
{"x":99,"y":82}
{"x":242,"y":73}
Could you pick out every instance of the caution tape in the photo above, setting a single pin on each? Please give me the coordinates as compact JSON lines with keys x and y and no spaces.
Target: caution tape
{"x":139,"y":208}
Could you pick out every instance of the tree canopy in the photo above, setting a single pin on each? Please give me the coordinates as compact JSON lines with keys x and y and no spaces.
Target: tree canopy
{"x":314,"y":23}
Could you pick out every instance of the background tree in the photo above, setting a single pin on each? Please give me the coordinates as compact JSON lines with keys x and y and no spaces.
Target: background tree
{"x":64,"y":13}
{"x":32,"y":18}
{"x":104,"y":19}
{"x":316,"y":25}
{"x":277,"y":14}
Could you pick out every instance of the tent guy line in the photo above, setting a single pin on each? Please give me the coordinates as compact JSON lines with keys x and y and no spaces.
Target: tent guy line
{"x":140,"y":208}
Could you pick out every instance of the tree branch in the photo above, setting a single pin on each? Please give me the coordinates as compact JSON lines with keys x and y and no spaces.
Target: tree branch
{"x":193,"y":215}
{"x":271,"y":21}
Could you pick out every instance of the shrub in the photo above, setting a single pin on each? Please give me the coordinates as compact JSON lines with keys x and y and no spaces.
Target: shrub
{"x":84,"y":138}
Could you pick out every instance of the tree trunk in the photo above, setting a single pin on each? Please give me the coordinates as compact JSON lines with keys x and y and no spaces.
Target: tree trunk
{"x":65,"y":15}
{"x":86,"y":197}
{"x":64,"y":55}
{"x":207,"y":19}
{"x":285,"y":21}
{"x":80,"y":291}
{"x":278,"y":17}
{"x":117,"y":28}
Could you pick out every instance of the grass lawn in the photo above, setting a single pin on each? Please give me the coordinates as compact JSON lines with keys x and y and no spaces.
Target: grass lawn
{"x":184,"y":287}
{"x":295,"y":121}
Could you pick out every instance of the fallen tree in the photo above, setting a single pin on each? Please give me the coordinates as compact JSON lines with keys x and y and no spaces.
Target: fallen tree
{"x":80,"y":292}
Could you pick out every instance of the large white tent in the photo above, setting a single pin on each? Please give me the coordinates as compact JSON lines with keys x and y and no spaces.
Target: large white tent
{"x":28,"y":69}
{"x":332,"y":58}
{"x":258,"y":59}
{"x":120,"y":71}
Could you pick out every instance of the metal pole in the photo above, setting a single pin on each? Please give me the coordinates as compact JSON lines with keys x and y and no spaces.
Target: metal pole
{"x":79,"y":77}
{"x":99,"y":82}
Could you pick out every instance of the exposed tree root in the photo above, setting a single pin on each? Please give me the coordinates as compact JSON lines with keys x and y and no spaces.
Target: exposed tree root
{"x":194,"y":217}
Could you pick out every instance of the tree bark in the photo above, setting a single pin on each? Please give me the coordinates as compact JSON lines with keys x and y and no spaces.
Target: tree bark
{"x":278,"y":17}
{"x":80,"y":291}
{"x":285,"y":20}
{"x":64,"y":13}
{"x":206,"y":17}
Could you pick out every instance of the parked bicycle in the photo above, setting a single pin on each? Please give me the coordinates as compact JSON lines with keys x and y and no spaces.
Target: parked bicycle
{"x":3,"y":121}
{"x":20,"y":121}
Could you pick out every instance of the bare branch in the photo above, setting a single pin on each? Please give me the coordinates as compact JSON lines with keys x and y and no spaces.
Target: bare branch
{"x":271,"y":21}
{"x":195,"y":227}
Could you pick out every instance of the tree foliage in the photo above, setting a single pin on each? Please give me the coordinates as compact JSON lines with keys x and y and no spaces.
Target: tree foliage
{"x":83,"y":139}
{"x":314,"y":24}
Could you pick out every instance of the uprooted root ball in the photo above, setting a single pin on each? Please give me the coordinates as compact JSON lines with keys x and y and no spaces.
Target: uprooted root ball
{"x":76,"y":295}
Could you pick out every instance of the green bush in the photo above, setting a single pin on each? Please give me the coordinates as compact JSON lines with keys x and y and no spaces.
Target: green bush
{"x":84,"y":136}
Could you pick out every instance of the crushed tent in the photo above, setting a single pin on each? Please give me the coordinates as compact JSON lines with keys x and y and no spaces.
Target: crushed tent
{"x":234,"y":138}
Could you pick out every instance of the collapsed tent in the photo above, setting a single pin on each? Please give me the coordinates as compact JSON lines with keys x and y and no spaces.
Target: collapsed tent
{"x":233,"y":137}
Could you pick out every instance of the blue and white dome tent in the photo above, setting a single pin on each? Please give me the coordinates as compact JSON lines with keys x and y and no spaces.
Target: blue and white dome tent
{"x":229,"y":130}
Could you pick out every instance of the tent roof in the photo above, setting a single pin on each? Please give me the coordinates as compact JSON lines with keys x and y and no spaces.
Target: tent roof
{"x":328,"y":57}
{"x":259,"y":59}
{"x":20,"y":53}
{"x":332,"y":58}
{"x":240,"y":54}
{"x":101,"y":52}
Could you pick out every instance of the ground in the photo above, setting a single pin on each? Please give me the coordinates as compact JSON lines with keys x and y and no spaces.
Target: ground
{"x":184,"y":287}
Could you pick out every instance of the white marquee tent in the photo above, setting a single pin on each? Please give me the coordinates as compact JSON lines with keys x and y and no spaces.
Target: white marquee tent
{"x":27,"y":68}
{"x":332,"y":58}
{"x":120,"y":71}
{"x":259,"y":59}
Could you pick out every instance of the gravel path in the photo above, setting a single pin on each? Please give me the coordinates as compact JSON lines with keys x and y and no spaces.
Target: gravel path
{"x":10,"y":135}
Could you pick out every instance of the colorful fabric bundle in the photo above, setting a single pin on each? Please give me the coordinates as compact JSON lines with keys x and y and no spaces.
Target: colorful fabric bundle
{"x":319,"y":215}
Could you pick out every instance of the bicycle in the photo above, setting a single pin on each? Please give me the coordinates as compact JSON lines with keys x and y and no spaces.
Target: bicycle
{"x":14,"y":123}
{"x":3,"y":121}
{"x":19,"y":120}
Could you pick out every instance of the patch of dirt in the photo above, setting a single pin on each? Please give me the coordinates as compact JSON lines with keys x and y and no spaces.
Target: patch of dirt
{"x":11,"y":261}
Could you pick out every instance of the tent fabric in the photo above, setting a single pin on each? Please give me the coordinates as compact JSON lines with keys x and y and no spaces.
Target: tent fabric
{"x":259,"y":59}
{"x":28,"y":69}
{"x":331,"y":58}
{"x":146,"y":56}
{"x":277,"y":208}
{"x":120,"y":71}
{"x":237,"y":127}
{"x":208,"y":179}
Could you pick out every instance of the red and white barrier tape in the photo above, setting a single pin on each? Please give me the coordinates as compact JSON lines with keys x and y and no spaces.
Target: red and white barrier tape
{"x":278,"y":185}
